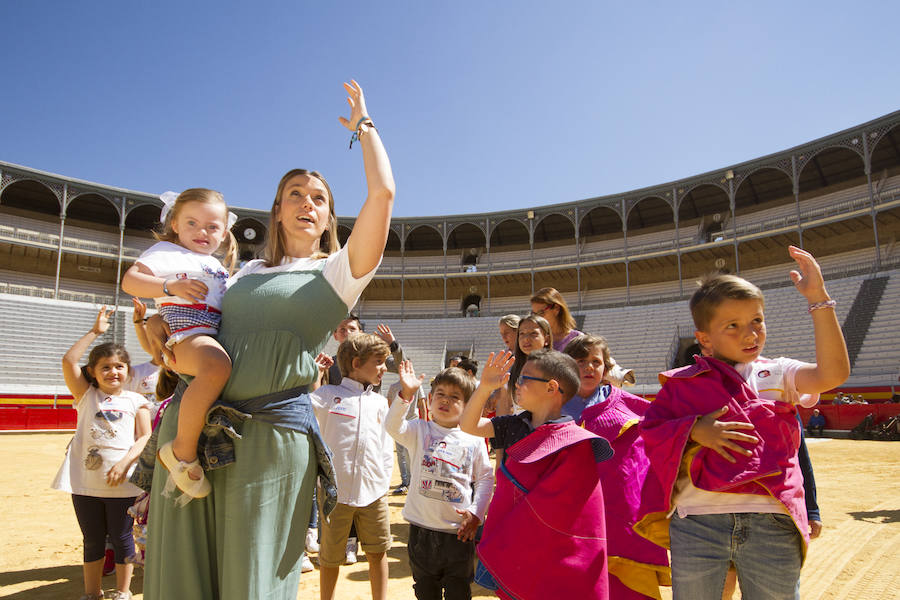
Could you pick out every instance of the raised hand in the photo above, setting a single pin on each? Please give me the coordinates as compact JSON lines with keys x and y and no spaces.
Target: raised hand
{"x":808,"y":277}
{"x":495,"y":373}
{"x":323,"y":362}
{"x":385,"y":333}
{"x":101,"y":324}
{"x":721,"y":435}
{"x":409,"y":383}
{"x":140,"y":309}
{"x":192,"y":290}
{"x":357,"y":103}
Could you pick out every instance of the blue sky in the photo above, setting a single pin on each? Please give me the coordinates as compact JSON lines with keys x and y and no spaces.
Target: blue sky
{"x":482,"y":106}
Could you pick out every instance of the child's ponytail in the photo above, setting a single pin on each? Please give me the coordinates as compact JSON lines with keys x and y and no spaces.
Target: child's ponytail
{"x":229,"y":252}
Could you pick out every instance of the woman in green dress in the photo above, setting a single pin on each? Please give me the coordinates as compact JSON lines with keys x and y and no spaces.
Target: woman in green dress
{"x":245,"y":540}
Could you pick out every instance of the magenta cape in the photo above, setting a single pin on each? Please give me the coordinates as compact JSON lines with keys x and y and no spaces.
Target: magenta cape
{"x":771,"y":469}
{"x":628,"y":485}
{"x":550,"y":542}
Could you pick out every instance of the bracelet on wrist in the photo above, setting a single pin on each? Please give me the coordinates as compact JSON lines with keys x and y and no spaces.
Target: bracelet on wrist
{"x":818,"y":305}
{"x":362,"y":128}
{"x":166,"y":288}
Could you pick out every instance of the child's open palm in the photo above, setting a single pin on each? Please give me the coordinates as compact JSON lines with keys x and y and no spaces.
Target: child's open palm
{"x":409,"y":383}
{"x":101,"y":324}
{"x":808,"y":277}
{"x":496,"y":370}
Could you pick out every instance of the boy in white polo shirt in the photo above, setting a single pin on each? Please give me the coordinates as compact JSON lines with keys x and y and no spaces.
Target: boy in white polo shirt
{"x":442,"y":509}
{"x":351,"y":418}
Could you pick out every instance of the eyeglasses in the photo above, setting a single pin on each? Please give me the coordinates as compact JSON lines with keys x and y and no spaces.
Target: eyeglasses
{"x":523,"y":378}
{"x":541,"y":312}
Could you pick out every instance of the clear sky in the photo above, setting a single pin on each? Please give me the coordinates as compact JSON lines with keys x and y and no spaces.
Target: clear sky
{"x":483,"y":106}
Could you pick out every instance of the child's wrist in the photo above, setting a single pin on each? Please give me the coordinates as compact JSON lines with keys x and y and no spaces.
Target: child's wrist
{"x":818,"y":297}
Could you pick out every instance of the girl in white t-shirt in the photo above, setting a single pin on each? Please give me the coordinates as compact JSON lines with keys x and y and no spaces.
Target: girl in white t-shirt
{"x":188,"y":282}
{"x":113,"y":426}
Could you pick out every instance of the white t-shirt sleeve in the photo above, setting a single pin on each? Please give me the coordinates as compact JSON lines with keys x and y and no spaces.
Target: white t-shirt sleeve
{"x":158,"y":257}
{"x":337,"y":273}
{"x":789,"y":368}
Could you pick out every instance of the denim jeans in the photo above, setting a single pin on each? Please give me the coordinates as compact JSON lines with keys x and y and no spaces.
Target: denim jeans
{"x":766,"y":550}
{"x":403,"y":461}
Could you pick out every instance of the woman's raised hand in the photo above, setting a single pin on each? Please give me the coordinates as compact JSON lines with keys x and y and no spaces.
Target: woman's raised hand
{"x":357,"y":103}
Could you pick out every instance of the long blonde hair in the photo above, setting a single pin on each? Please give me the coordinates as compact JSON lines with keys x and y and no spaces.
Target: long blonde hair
{"x":229,"y":246}
{"x":328,"y":243}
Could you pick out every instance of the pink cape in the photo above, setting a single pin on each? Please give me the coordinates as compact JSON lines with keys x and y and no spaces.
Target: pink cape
{"x":550,"y":542}
{"x":771,"y":469}
{"x":628,"y":485}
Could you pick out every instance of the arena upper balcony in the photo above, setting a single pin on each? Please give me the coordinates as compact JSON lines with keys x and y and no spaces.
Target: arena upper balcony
{"x":838,"y":196}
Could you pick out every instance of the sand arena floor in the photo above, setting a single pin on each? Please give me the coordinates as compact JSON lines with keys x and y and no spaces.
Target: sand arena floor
{"x":855,"y":558}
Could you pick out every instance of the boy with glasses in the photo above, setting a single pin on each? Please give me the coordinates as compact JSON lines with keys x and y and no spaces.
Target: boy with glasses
{"x":548,"y":489}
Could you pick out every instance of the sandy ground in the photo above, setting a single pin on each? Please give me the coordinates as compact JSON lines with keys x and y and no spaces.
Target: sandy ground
{"x":40,"y":544}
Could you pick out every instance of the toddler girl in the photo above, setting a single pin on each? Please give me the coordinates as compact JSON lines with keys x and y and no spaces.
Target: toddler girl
{"x":113,"y":426}
{"x":188,"y":283}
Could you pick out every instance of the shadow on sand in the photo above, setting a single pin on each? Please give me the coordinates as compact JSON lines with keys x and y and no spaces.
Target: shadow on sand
{"x":52,"y":583}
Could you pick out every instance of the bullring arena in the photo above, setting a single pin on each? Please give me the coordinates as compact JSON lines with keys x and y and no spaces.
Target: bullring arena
{"x":626,"y":264}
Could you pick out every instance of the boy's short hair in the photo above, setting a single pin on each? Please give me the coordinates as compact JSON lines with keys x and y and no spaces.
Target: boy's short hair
{"x":361,"y":346}
{"x":582,"y":345}
{"x":457,"y":378}
{"x":715,"y":289}
{"x":558,"y":366}
{"x":353,"y":317}
{"x":470,"y":365}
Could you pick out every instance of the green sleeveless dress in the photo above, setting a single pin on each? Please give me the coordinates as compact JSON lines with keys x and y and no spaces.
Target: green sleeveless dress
{"x":245,"y":540}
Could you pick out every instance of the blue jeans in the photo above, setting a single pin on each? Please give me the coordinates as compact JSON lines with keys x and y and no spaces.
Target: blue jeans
{"x":403,"y":461}
{"x":766,"y":550}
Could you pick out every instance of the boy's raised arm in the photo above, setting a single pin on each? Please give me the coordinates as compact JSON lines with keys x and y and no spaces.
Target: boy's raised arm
{"x":395,"y":423}
{"x":494,"y":375}
{"x":832,"y":366}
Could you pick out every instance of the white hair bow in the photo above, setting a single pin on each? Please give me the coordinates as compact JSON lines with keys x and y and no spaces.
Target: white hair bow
{"x":168,"y":199}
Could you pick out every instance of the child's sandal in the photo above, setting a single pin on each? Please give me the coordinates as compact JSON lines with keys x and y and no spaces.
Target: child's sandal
{"x":179,"y":474}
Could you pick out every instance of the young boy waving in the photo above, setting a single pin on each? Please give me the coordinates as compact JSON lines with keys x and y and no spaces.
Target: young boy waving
{"x":548,"y":500}
{"x":443,"y":509}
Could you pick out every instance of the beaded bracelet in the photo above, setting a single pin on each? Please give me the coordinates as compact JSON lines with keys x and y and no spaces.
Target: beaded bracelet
{"x":826,"y":304}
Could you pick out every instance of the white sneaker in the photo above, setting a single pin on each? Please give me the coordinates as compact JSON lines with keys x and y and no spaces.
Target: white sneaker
{"x":178,"y":473}
{"x":350,"y":559}
{"x":312,"y":540}
{"x":306,"y":565}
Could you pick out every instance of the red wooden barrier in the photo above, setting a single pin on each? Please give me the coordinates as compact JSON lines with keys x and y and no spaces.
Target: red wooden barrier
{"x":848,"y":416}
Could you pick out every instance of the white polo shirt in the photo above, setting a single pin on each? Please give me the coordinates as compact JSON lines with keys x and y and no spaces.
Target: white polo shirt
{"x":351,"y":418}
